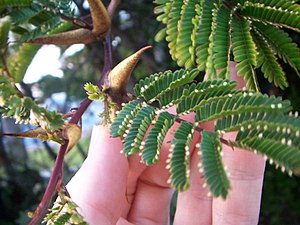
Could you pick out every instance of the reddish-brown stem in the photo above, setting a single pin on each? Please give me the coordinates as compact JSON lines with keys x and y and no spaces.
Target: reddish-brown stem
{"x":112,"y":7}
{"x":54,"y":183}
{"x":56,"y":177}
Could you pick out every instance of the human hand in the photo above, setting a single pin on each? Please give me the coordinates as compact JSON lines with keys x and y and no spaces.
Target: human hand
{"x":112,"y":189}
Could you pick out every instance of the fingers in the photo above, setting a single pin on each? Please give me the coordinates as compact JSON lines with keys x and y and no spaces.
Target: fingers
{"x":151,"y":205}
{"x":234,"y":76}
{"x":246,"y":176}
{"x":243,"y":202}
{"x":194,"y":206}
{"x":99,"y":186}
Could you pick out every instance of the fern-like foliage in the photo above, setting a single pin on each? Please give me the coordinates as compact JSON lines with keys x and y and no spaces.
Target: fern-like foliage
{"x":33,"y":19}
{"x":207,"y":33}
{"x":64,"y":212}
{"x":24,"y":109}
{"x":262,"y":123}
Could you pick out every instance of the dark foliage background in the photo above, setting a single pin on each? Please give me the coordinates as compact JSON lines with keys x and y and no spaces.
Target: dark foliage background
{"x":24,"y":172}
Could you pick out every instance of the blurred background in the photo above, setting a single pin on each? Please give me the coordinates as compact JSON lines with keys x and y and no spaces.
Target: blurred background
{"x":56,"y":78}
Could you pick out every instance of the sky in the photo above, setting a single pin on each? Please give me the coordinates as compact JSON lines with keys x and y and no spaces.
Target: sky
{"x":47,"y":61}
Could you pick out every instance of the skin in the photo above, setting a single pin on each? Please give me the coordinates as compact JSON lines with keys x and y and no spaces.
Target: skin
{"x":112,"y":189}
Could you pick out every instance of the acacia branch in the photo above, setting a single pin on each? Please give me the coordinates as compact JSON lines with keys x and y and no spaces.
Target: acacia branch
{"x":56,"y":176}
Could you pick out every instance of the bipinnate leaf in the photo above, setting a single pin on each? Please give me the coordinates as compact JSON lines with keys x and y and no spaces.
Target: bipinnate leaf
{"x":205,"y":33}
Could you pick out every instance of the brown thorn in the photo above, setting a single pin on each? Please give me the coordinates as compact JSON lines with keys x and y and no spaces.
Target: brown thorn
{"x":82,"y":35}
{"x":100,"y":17}
{"x":120,"y":74}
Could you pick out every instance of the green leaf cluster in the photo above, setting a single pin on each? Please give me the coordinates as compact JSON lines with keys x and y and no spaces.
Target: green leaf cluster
{"x":63,"y":212}
{"x":209,"y":33}
{"x":32,"y":19}
{"x":93,"y":92}
{"x":263,"y":125}
{"x":24,"y":110}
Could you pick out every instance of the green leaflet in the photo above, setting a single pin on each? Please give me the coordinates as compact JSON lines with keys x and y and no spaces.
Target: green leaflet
{"x":281,"y":152}
{"x":180,"y":157}
{"x":281,"y":44}
{"x":214,"y":172}
{"x":204,"y":32}
{"x":172,"y":30}
{"x":268,"y":62}
{"x":24,"y":109}
{"x":184,"y":50}
{"x":156,"y":85}
{"x":41,"y":29}
{"x":24,"y":14}
{"x":277,"y":4}
{"x":202,"y":92}
{"x":163,"y":8}
{"x":137,"y":130}
{"x":272,"y":15}
{"x":20,"y":62}
{"x":222,"y":42}
{"x":4,"y":29}
{"x":62,"y":219}
{"x":128,"y":112}
{"x":172,"y":97}
{"x":258,"y":120}
{"x":238,"y":103}
{"x":244,"y":52}
{"x":7,"y":3}
{"x":156,"y":137}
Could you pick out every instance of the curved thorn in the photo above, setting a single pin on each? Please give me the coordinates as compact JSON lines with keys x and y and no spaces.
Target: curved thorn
{"x":100,"y":17}
{"x":120,"y":74}
{"x":82,"y":35}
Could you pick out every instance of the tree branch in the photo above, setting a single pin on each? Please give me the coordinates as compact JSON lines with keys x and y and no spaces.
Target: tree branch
{"x":56,"y":177}
{"x":112,"y":7}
